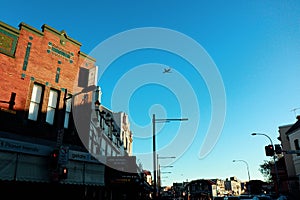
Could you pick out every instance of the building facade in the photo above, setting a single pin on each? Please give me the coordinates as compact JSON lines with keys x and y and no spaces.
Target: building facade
{"x":233,"y":186}
{"x":44,"y":75}
{"x":289,"y":137}
{"x":200,"y":189}
{"x":55,"y":135}
{"x":106,"y":140}
{"x":126,"y":135}
{"x":285,"y":143}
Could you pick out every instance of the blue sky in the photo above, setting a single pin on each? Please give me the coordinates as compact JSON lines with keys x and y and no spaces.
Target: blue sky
{"x":253,"y":48}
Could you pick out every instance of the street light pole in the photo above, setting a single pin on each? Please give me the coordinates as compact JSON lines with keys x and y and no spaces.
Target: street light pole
{"x":246,"y":165}
{"x":247,"y":171}
{"x":158,"y":165}
{"x":274,"y":158}
{"x":154,"y":120}
{"x":154,"y":158}
{"x":159,"y":170}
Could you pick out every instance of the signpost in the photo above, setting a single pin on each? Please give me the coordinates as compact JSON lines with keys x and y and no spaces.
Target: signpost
{"x":122,"y":163}
{"x":60,"y":136}
{"x":63,"y":155}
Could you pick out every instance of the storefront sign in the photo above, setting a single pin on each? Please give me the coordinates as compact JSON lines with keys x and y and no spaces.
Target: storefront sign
{"x":23,"y":147}
{"x":122,"y":163}
{"x":82,"y":156}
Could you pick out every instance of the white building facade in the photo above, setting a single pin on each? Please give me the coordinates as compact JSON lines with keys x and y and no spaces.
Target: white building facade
{"x":122,"y":121}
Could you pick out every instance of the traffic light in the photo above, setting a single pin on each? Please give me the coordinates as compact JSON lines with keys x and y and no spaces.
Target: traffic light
{"x":278,"y":149}
{"x":269,"y":150}
{"x":64,"y":173}
{"x":54,"y":155}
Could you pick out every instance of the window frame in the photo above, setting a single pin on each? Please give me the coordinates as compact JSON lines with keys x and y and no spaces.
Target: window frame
{"x":36,"y":101}
{"x":52,"y":106}
{"x":67,"y":111}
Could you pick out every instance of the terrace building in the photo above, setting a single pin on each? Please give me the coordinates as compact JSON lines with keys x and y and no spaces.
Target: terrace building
{"x":53,"y":137}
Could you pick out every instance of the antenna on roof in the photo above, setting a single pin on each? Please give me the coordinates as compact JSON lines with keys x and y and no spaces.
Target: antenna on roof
{"x":294,"y":110}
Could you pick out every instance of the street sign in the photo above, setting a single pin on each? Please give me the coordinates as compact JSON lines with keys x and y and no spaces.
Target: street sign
{"x":122,"y":163}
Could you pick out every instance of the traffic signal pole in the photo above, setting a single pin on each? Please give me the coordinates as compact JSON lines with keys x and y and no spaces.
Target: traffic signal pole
{"x":274,"y":159}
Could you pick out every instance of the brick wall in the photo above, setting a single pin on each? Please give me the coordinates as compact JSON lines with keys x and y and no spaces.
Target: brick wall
{"x":47,"y":56}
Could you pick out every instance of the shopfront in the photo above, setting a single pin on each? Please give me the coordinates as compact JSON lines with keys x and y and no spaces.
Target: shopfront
{"x":24,"y":170}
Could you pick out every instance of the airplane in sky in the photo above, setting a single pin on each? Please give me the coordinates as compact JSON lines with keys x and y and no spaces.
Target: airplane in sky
{"x":167,"y":70}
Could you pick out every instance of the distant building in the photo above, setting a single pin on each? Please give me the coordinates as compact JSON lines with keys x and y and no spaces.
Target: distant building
{"x":200,"y":189}
{"x":233,"y":186}
{"x":179,"y":190}
{"x":148,"y":176}
{"x":220,"y":187}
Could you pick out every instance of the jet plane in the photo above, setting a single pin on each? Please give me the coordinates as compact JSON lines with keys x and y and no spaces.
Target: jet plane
{"x":167,"y":70}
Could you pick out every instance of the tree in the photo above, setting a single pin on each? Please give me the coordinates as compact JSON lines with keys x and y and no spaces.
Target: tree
{"x":265,"y":169}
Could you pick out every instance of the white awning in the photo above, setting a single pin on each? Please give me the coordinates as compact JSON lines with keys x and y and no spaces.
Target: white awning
{"x":85,"y":173}
{"x":23,"y":167}
{"x":21,"y":161}
{"x":75,"y":172}
{"x":32,"y":168}
{"x":94,"y":174}
{"x":7,"y":165}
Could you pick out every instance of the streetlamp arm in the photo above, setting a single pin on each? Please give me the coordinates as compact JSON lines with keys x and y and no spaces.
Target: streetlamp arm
{"x":171,"y":119}
{"x":166,"y":157}
{"x":264,"y":135}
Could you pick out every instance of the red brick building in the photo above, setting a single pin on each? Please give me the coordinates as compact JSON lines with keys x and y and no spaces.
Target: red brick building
{"x":49,"y":59}
{"x":49,"y":121}
{"x":42,"y":73}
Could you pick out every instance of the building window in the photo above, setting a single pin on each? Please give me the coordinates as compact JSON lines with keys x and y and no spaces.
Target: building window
{"x":57,"y":75}
{"x":126,"y":144}
{"x":122,"y":135}
{"x":108,"y":150}
{"x":102,"y":147}
{"x":68,"y":111}
{"x":297,"y":147}
{"x":26,"y":56}
{"x":35,"y":102}
{"x":52,"y":104}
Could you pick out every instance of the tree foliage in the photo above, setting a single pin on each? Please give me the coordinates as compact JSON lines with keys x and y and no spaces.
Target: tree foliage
{"x":265,"y":169}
